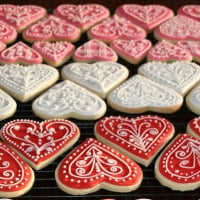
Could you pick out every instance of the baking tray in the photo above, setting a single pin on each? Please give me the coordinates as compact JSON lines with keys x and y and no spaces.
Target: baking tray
{"x":45,"y":185}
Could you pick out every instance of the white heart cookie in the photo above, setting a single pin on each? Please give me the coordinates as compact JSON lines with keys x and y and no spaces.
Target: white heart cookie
{"x":139,"y":94}
{"x":180,"y":76}
{"x":24,"y":83}
{"x":8,"y":105}
{"x":67,"y":99}
{"x":99,"y":77}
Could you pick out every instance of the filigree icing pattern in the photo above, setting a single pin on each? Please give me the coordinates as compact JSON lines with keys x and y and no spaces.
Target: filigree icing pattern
{"x":192,"y":10}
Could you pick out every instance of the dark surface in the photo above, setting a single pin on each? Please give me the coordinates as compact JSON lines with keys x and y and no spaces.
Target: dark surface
{"x":45,"y":186}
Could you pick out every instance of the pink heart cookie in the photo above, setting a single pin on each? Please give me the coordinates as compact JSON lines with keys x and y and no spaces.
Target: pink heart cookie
{"x":132,"y":51}
{"x":193,"y":127}
{"x":192,"y":11}
{"x":54,"y":53}
{"x":178,"y":28}
{"x":94,"y":165}
{"x":82,"y":16}
{"x":39,"y":143}
{"x":20,"y":53}
{"x":8,"y":34}
{"x":94,"y":50}
{"x":178,"y":166}
{"x":116,"y":27}
{"x":165,"y":51}
{"x":20,"y":17}
{"x":140,"y":138}
{"x":145,"y":16}
{"x":16,"y":177}
{"x":51,"y":28}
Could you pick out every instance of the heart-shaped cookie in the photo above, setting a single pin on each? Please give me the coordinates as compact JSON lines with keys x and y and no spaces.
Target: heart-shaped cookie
{"x":178,"y":28}
{"x":145,"y":16}
{"x":8,"y":105}
{"x":180,"y":76}
{"x":24,"y":83}
{"x":94,"y":50}
{"x":178,"y":167}
{"x":165,"y":51}
{"x":20,"y":53}
{"x":192,"y":11}
{"x":193,"y":127}
{"x":67,"y":99}
{"x":16,"y":177}
{"x":139,"y":94}
{"x":116,"y":27}
{"x":133,"y":51}
{"x":93,"y":166}
{"x":40,"y":143}
{"x":140,"y":138}
{"x":99,"y":77}
{"x":51,"y":28}
{"x":82,"y":16}
{"x":54,"y":53}
{"x":20,"y":17}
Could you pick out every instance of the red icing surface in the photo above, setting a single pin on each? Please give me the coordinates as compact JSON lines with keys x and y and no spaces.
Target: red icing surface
{"x":194,"y":125}
{"x":142,"y":136}
{"x":20,"y":53}
{"x":20,"y":16}
{"x":82,"y":16}
{"x":180,"y":162}
{"x":147,"y":16}
{"x":36,"y":141}
{"x":92,"y":163}
{"x":15,"y":174}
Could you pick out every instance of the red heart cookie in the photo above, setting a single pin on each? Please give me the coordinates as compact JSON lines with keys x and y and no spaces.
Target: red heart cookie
{"x":16,"y":177}
{"x":193,"y":127}
{"x":178,"y":167}
{"x":147,"y":16}
{"x":132,"y":51}
{"x":94,"y":50}
{"x":40,"y":143}
{"x":116,"y":27}
{"x":82,"y":16}
{"x":54,"y":53}
{"x":20,"y":53}
{"x":165,"y":51}
{"x":94,"y":165}
{"x":51,"y":28}
{"x":21,"y":16}
{"x":140,"y":138}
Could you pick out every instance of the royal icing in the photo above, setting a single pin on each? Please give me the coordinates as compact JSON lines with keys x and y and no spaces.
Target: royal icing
{"x":178,"y":28}
{"x":131,"y":50}
{"x":2,"y":46}
{"x":165,"y":51}
{"x":139,"y":94}
{"x":8,"y":34}
{"x":193,"y":127}
{"x":20,"y":53}
{"x":67,"y":99}
{"x":180,"y":163}
{"x":116,"y":27}
{"x":16,"y":177}
{"x":99,"y":77}
{"x":8,"y":105}
{"x":192,"y":11}
{"x":54,"y":53}
{"x":82,"y":16}
{"x":180,"y":76}
{"x":146,"y":16}
{"x":93,"y":163}
{"x":21,"y":16}
{"x":24,"y":83}
{"x":40,"y":142}
{"x":51,"y":28}
{"x":140,"y":138}
{"x":94,"y":50}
